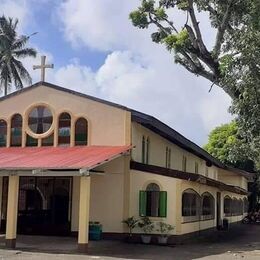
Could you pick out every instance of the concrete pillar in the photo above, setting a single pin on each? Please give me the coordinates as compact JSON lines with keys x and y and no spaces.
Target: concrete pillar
{"x":84,"y":201}
{"x":12,"y":210}
{"x":178,"y":197}
{"x":72,"y":132}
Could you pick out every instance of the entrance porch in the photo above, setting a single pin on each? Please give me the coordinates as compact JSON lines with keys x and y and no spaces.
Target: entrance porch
{"x":62,"y":201}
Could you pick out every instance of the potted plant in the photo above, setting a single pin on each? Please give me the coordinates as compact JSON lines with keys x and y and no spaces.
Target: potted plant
{"x":131,"y":224}
{"x":164,"y":230}
{"x":147,"y":226}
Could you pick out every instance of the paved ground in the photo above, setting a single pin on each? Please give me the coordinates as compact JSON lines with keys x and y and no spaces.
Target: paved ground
{"x":242,"y":244}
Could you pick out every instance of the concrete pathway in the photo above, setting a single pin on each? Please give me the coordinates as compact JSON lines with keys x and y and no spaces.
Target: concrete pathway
{"x":244,"y":243}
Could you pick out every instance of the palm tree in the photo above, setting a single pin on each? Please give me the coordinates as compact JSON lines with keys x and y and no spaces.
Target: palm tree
{"x":12,"y":48}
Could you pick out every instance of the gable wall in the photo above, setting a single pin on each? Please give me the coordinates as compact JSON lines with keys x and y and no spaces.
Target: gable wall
{"x":107,"y":125}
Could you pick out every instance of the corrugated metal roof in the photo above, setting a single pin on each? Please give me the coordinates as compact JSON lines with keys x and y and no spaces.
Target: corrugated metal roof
{"x":15,"y":158}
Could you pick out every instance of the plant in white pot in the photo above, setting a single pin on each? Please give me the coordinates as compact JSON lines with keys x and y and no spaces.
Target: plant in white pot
{"x":164,"y":229}
{"x":131,"y":224}
{"x":147,"y":226}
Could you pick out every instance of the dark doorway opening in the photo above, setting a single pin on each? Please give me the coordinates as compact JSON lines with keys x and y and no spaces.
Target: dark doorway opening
{"x":44,"y":206}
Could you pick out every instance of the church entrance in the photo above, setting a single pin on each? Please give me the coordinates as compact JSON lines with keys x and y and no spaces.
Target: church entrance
{"x":44,"y":206}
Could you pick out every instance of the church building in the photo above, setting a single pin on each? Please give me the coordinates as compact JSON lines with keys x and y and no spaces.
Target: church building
{"x":67,"y":158}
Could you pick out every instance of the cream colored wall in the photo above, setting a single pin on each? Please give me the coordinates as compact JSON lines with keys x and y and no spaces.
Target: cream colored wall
{"x":106,"y":197}
{"x":139,"y":181}
{"x":107,"y":125}
{"x":157,"y":154}
{"x":175,"y":188}
{"x":232,"y":178}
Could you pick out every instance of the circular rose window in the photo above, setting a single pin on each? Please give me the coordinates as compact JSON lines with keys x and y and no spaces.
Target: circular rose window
{"x":40,"y":119}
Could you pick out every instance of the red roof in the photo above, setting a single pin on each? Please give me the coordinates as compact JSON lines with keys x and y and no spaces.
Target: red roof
{"x":58,"y":157}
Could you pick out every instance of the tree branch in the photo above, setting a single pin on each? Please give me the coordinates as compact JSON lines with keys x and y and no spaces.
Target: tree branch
{"x":221,"y":30}
{"x":192,"y":36}
{"x":158,"y":24}
{"x":195,"y":25}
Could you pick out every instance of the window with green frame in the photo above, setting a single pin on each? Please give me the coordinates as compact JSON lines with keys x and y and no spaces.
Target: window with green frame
{"x":152,"y":202}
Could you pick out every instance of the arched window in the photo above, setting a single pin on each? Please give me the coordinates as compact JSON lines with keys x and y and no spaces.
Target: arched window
{"x":153,"y":202}
{"x":245,"y":204}
{"x":3,"y":133}
{"x":227,"y":206}
{"x":16,"y":130}
{"x":81,"y":132}
{"x":64,"y":129}
{"x":234,"y":207}
{"x":190,"y":205}
{"x":208,"y":206}
{"x":241,"y":208}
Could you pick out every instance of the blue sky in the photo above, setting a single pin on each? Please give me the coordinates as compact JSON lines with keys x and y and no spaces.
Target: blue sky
{"x":96,"y":50}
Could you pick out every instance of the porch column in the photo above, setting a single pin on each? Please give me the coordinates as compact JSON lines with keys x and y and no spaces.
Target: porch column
{"x":12,"y":210}
{"x":84,"y":201}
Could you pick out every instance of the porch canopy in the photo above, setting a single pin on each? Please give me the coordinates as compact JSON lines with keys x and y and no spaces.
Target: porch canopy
{"x":83,"y":158}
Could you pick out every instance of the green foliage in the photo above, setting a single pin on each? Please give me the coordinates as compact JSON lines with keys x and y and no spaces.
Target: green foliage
{"x":160,"y":14}
{"x":139,"y":19}
{"x":164,"y":228}
{"x":233,"y":63}
{"x":12,"y":49}
{"x":221,"y":141}
{"x":146,"y":225}
{"x":131,"y":223}
{"x":183,"y":4}
{"x":177,"y":41}
{"x":226,"y":144}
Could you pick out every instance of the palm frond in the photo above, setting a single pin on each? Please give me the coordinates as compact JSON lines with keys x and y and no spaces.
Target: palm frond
{"x":24,"y":74}
{"x":26,"y":52}
{"x":16,"y":76}
{"x":19,"y":43}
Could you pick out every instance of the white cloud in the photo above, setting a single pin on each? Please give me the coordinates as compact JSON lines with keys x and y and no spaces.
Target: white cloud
{"x":137,"y":73}
{"x":142,"y":74}
{"x":16,"y":9}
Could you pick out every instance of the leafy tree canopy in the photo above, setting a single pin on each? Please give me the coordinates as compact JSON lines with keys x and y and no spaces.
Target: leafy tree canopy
{"x":225,"y":144}
{"x":233,"y":63}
